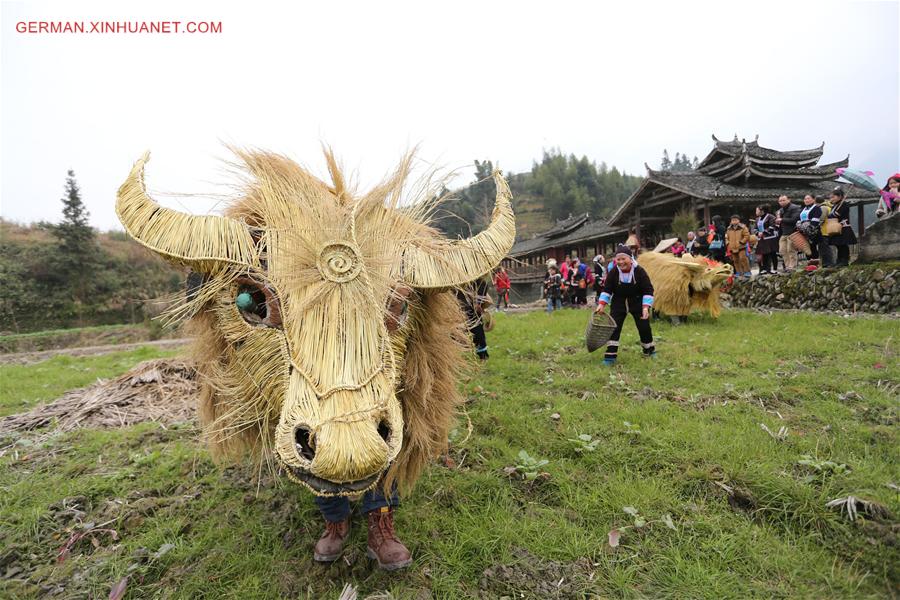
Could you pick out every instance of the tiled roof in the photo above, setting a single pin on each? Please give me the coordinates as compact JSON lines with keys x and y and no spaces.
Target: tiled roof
{"x":741,"y":171}
{"x":754,"y":151}
{"x":705,"y":187}
{"x":585,"y":231}
{"x":709,"y":188}
{"x":566,"y":225}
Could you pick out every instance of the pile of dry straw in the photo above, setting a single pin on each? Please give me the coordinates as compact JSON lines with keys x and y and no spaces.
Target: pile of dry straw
{"x":163,"y":391}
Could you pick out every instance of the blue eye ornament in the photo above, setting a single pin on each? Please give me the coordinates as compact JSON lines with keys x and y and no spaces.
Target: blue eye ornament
{"x":245,"y":302}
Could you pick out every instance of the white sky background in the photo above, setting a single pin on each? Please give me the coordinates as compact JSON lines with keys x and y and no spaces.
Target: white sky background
{"x":464,"y":80}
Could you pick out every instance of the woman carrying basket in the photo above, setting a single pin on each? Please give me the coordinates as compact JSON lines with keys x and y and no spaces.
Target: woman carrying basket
{"x":844,"y":238}
{"x":627,"y":290}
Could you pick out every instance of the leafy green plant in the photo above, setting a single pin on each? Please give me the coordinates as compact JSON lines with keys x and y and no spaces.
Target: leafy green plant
{"x":632,"y":428}
{"x":528,"y":466}
{"x":825,"y":467}
{"x":585,"y":443}
{"x":638,"y":522}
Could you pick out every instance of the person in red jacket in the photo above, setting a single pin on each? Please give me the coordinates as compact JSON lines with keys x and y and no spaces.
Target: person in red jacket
{"x":501,"y":282}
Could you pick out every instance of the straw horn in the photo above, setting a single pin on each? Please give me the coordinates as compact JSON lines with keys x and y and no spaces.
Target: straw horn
{"x":445,"y":263}
{"x":205,"y":243}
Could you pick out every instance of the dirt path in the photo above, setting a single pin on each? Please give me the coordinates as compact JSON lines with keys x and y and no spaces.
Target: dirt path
{"x":24,"y":358}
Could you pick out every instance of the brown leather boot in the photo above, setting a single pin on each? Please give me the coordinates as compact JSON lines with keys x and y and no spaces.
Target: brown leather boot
{"x":331,"y":544}
{"x":384,"y":547}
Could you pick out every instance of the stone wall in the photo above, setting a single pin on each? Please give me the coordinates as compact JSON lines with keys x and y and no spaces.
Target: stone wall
{"x":881,"y":241}
{"x":870,"y":288}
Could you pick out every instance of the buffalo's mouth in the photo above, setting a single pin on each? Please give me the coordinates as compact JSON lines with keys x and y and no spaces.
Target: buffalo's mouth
{"x":330,"y":488}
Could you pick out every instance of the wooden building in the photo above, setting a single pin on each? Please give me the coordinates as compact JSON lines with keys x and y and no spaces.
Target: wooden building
{"x":734,"y":178}
{"x":576,"y":236}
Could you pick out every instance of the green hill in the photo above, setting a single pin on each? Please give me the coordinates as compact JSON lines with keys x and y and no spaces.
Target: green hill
{"x":36,"y":293}
{"x":557,"y":187}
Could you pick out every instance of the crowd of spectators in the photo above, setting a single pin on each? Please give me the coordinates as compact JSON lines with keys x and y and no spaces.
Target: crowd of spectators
{"x":818,"y":229}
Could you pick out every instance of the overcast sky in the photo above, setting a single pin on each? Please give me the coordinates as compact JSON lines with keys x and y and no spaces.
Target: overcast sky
{"x":489,"y":80}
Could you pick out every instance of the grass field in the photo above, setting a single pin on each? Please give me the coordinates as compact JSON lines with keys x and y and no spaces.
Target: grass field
{"x":705,"y":502}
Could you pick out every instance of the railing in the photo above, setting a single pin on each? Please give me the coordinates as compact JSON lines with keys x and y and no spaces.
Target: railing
{"x":526,"y":272}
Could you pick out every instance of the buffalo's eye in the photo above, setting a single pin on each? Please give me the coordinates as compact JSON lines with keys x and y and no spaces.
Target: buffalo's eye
{"x":257,"y":303}
{"x":397,"y":308}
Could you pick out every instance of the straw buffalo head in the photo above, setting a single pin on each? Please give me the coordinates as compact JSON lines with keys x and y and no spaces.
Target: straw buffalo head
{"x":323,"y":317}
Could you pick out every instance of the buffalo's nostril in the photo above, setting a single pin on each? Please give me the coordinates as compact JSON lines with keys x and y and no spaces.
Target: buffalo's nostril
{"x":305,"y":445}
{"x":384,"y":430}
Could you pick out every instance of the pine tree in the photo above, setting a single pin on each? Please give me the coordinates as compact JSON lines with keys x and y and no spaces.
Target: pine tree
{"x":78,"y":248}
{"x":74,"y":232}
{"x":665,"y":164}
{"x":680,"y":164}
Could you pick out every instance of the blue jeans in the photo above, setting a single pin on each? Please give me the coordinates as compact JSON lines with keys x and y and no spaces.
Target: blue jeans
{"x":554,"y":301}
{"x":337,"y":508}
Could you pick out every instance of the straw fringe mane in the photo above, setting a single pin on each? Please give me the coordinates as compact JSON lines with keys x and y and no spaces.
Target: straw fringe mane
{"x":671,"y":278}
{"x":430,"y":396}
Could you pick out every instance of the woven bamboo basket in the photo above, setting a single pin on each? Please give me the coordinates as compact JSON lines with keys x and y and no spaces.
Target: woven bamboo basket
{"x":599,"y":329}
{"x":800,"y":242}
{"x":487,"y":319}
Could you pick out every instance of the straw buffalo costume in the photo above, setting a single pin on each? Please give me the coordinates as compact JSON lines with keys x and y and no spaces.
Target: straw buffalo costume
{"x":329,"y":340}
{"x":683,"y":285}
{"x":627,"y":292}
